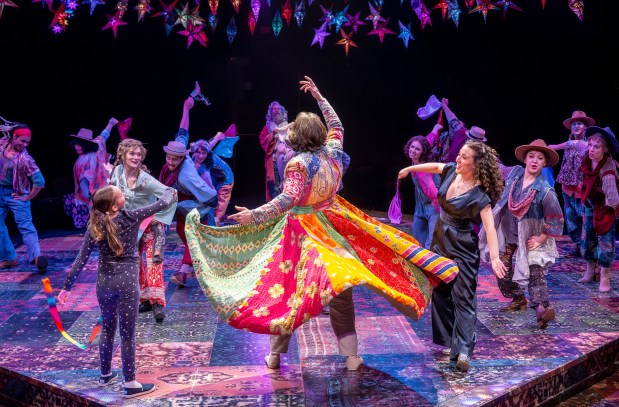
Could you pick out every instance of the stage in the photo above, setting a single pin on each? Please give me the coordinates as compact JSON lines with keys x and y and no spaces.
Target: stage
{"x":195,"y":359}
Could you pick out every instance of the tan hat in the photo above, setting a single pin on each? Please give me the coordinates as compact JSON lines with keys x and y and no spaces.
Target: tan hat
{"x":175,"y":148}
{"x":477,"y":133}
{"x":538,"y":145}
{"x":580,"y":116}
{"x":85,"y":134}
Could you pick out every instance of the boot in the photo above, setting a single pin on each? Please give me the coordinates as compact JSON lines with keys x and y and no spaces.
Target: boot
{"x":589,"y":274}
{"x":544,"y":316}
{"x":605,"y":279}
{"x":517,"y":304}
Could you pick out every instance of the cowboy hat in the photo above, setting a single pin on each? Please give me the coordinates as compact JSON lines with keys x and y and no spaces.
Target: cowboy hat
{"x":477,"y":133}
{"x":606,"y":132}
{"x":580,"y":116}
{"x":175,"y":148}
{"x":552,"y":157}
{"x":84,"y":134}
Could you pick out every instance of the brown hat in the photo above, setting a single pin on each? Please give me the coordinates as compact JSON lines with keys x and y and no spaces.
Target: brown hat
{"x":175,"y":148}
{"x":538,"y":145}
{"x":580,"y":116}
{"x":84,"y":134}
{"x":477,"y":133}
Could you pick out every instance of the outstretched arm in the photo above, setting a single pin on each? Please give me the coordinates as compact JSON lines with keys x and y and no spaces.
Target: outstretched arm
{"x":433,"y":168}
{"x":185,"y":119}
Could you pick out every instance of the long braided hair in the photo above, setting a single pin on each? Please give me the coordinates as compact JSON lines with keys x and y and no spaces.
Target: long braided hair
{"x":101,"y":225}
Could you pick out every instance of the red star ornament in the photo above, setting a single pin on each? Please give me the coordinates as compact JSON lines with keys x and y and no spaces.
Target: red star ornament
{"x":113,"y":22}
{"x":194,"y":33}
{"x":346,"y":41}
{"x":60,"y":18}
{"x":381,"y":30}
{"x":7,"y":3}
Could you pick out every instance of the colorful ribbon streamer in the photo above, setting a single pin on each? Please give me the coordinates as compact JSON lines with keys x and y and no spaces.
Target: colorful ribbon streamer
{"x":51,"y":303}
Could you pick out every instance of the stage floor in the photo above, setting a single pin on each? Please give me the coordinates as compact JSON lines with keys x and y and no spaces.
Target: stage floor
{"x":195,"y":359}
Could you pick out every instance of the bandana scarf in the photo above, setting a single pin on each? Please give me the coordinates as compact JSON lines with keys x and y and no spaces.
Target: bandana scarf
{"x":169,"y":178}
{"x":519,"y":209}
{"x":591,"y":178}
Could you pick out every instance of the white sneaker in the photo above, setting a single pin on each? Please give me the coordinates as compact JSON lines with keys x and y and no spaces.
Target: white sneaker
{"x":272,"y":361}
{"x":353,"y":362}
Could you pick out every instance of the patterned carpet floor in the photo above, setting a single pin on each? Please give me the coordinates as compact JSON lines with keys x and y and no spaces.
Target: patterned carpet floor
{"x":195,"y":359}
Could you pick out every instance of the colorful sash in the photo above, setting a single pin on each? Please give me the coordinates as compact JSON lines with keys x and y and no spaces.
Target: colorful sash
{"x":51,"y":303}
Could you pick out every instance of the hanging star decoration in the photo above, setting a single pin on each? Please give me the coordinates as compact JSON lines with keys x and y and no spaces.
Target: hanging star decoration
{"x":277,"y":24}
{"x":182,"y":16}
{"x":113,"y":22}
{"x":309,"y":3}
{"x":194,"y":33}
{"x":6,"y":3}
{"x":195,"y":18}
{"x":213,"y":4}
{"x":453,"y":12}
{"x":443,"y":5}
{"x":339,"y":19}
{"x":142,"y":8}
{"x":212,"y":21}
{"x":379,"y":3}
{"x":60,"y":19}
{"x":543,"y":4}
{"x":255,"y":8}
{"x":405,"y":33}
{"x":231,"y":30}
{"x":506,"y":5}
{"x":287,"y":12}
{"x":327,"y":15}
{"x":299,"y":13}
{"x":346,"y":41}
{"x":469,"y":3}
{"x":72,"y":4}
{"x":236,"y":4}
{"x":320,"y":34}
{"x":93,"y":4}
{"x":354,"y":21}
{"x":577,"y":6}
{"x":374,"y":16}
{"x":167,"y":12}
{"x":121,"y":8}
{"x":422,"y":12}
{"x":251,"y":22}
{"x":483,"y":6}
{"x":44,"y":2}
{"x":381,"y":30}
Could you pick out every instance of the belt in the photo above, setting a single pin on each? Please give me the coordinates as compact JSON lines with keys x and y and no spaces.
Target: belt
{"x":461,"y":224}
{"x":304,"y":210}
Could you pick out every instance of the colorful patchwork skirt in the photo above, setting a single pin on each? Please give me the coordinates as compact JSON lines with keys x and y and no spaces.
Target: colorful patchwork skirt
{"x":272,"y":277}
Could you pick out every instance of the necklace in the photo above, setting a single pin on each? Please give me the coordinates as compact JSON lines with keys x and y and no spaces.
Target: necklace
{"x":461,"y":183}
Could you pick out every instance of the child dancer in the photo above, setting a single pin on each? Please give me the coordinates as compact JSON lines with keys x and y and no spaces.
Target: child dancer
{"x":116,"y":232}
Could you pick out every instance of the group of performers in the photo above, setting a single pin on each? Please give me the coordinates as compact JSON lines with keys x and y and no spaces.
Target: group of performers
{"x":272,"y":268}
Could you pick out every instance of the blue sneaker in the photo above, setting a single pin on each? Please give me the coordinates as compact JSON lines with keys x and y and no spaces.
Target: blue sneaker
{"x":138,"y":391}
{"x":107,"y":380}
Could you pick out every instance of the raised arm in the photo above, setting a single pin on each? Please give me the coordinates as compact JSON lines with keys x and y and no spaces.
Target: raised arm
{"x":333,"y":122}
{"x":185,"y":118}
{"x":449,"y":115}
{"x":433,"y":168}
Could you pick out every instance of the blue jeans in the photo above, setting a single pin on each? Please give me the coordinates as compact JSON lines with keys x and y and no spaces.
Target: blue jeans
{"x":23,"y":218}
{"x":573,"y":210}
{"x":423,"y":223}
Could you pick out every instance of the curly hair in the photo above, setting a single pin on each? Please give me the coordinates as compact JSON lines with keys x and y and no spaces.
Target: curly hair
{"x":307,"y":133}
{"x":124,"y":147}
{"x":598,"y":137}
{"x":100,"y":224}
{"x":487,"y":170}
{"x":427,"y":155}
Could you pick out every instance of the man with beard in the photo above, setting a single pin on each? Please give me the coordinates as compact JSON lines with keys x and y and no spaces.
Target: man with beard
{"x":277,"y":152}
{"x":20,"y":181}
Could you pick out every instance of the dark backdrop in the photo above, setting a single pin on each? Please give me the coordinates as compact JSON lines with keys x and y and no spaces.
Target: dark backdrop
{"x":518,"y":78}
